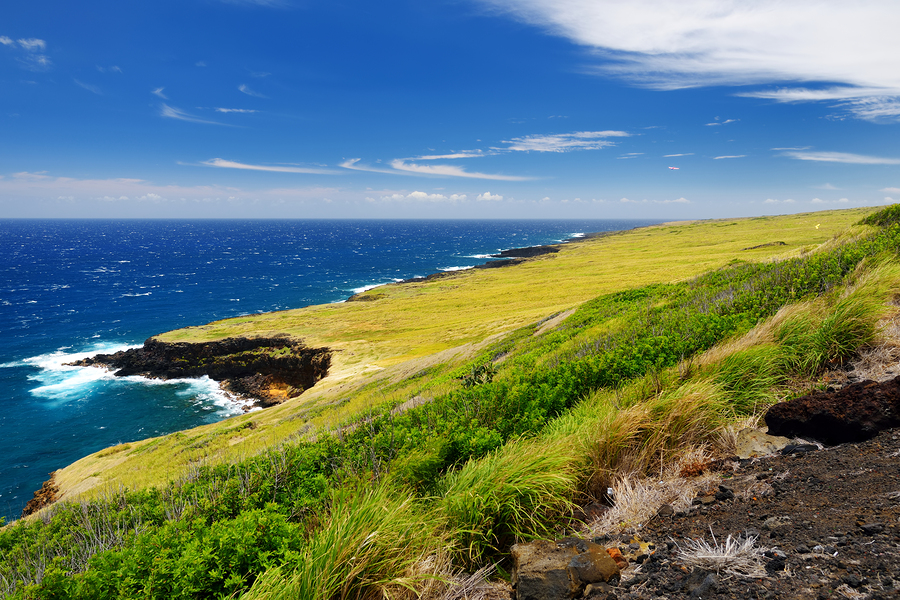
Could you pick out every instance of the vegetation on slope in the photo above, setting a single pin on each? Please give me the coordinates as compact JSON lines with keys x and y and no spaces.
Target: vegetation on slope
{"x":409,"y":342}
{"x":621,"y":385}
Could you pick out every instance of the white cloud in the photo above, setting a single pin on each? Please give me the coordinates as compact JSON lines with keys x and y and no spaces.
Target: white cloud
{"x":776,"y":201}
{"x":236,"y":110}
{"x":842,"y":157}
{"x":418,"y":196}
{"x":200,"y":63}
{"x":229,"y":164}
{"x":674,"y":155}
{"x":30,"y":52}
{"x":354,"y":165}
{"x":670,"y":45}
{"x":33,"y":44}
{"x":159,"y":92}
{"x":112,"y":69}
{"x":489,"y":197}
{"x":171,"y":112}
{"x":450,"y":171}
{"x":91,"y":88}
{"x":250,"y":92}
{"x":826,"y":186}
{"x":890,"y":190}
{"x":730,"y":156}
{"x":725,"y":122}
{"x":563,"y":142}
{"x":470,"y":154}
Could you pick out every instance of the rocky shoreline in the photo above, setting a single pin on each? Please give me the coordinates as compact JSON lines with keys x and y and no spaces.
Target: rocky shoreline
{"x":506,"y":258}
{"x":267,"y":371}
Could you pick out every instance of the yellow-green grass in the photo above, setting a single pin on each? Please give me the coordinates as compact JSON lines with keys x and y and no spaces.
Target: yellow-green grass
{"x":379,"y":345}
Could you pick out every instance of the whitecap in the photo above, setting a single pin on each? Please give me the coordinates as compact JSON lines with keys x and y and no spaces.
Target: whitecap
{"x":451,"y":269}
{"x":366,"y":288}
{"x":134,"y":295}
{"x":61,"y":381}
{"x":480,"y":256}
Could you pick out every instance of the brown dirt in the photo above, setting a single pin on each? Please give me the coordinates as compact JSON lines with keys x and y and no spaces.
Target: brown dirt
{"x":831,"y":518}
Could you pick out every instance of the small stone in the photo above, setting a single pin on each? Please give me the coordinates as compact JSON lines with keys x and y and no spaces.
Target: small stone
{"x":802,"y":549}
{"x":709,"y":499}
{"x":872,"y":528}
{"x":666,"y":510}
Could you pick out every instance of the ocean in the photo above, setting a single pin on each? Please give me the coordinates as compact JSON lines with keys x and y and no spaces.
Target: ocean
{"x":74,"y":288}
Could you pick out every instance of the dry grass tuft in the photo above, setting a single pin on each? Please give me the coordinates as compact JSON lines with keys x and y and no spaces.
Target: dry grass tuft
{"x":740,"y":557}
{"x":637,"y":500}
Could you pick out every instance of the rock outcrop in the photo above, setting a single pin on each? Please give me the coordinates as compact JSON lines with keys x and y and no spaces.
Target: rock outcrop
{"x":561,"y":570}
{"x":854,"y":413}
{"x":43,"y":497}
{"x":268,"y":370}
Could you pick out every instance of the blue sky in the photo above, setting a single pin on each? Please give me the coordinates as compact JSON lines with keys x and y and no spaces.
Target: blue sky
{"x":448,"y":109}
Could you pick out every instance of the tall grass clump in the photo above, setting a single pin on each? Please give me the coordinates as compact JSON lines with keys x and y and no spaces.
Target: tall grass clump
{"x":368,"y":547}
{"x":645,"y":436}
{"x":513,"y":493}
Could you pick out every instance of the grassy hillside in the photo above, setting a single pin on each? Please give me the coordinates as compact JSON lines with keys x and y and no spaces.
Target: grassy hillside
{"x":435,"y":326}
{"x":456,"y":456}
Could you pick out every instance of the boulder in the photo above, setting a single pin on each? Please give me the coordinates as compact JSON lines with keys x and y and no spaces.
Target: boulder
{"x":560,"y":570}
{"x":852,"y":414}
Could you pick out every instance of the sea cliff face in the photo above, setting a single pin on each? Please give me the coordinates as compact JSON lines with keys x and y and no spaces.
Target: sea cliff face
{"x":268,"y":370}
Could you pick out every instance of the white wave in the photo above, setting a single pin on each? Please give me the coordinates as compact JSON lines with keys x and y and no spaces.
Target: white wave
{"x":450,"y":269}
{"x":577,"y":235}
{"x":481,"y":256}
{"x":366,"y":288}
{"x":134,"y":295}
{"x":60,"y":381}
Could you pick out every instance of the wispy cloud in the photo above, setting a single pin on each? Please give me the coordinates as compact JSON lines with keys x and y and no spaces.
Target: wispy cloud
{"x":826,"y":186}
{"x":450,"y":171}
{"x":563,"y":142}
{"x":230,"y":164}
{"x":730,"y":156}
{"x":777,"y":201}
{"x":112,"y":69}
{"x":890,"y":190}
{"x":717,"y":122}
{"x":29,"y":52}
{"x":469,"y":154}
{"x":159,"y":92}
{"x":674,"y":155}
{"x":418,"y":196}
{"x":670,"y":45}
{"x":354,"y":165}
{"x":842,"y":157}
{"x":246,"y":89}
{"x":170,"y":112}
{"x":236,"y":110}
{"x":91,"y":88}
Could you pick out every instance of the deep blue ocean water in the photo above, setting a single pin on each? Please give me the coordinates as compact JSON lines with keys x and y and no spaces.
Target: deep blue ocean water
{"x":73,"y":288}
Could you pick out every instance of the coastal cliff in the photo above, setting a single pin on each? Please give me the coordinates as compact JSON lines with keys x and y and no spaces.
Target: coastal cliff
{"x":268,"y":370}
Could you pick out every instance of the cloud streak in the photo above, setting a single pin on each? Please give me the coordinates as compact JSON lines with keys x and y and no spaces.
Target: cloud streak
{"x":842,"y":157}
{"x":563,"y":142}
{"x":170,"y":112}
{"x":30,"y":52}
{"x":230,"y":164}
{"x":246,"y":89}
{"x":450,"y":171}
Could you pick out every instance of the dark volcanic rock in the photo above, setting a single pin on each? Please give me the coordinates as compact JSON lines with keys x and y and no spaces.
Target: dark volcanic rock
{"x":854,"y":413}
{"x":43,"y":497}
{"x":526,"y":252}
{"x":266,"y":369}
